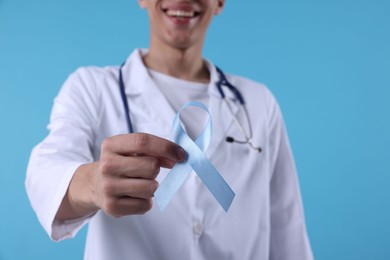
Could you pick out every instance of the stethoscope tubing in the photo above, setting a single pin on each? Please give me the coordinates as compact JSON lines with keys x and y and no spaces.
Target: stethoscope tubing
{"x":124,"y":100}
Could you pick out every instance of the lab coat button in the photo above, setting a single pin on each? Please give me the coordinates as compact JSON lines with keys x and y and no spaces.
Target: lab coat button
{"x":197,"y":228}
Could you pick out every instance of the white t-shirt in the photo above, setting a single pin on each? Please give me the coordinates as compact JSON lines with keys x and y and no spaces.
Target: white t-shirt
{"x":178,"y":92}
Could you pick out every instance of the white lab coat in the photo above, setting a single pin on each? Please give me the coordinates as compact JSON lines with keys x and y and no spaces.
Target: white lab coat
{"x":265,"y":220}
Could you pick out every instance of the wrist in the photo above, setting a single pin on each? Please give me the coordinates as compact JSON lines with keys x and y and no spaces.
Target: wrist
{"x":79,"y":199}
{"x":81,"y":193}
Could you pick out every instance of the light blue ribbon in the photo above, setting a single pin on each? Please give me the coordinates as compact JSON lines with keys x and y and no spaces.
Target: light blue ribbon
{"x":196,"y":160}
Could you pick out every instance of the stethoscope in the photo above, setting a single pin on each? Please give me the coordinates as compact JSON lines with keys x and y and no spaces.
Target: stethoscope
{"x":221,"y":82}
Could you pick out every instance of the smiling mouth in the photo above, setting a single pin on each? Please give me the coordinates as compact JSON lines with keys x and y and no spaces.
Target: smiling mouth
{"x":181,"y":13}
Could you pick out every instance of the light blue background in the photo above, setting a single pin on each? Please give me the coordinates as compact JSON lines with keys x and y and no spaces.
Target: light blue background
{"x":327,"y":62}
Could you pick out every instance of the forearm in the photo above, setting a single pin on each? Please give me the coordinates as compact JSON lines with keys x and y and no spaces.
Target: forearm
{"x":79,"y":199}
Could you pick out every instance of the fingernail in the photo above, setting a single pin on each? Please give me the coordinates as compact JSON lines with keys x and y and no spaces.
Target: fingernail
{"x":181,"y":153}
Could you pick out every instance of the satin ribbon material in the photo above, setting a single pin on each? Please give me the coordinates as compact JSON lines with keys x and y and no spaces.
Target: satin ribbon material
{"x":196,"y":161}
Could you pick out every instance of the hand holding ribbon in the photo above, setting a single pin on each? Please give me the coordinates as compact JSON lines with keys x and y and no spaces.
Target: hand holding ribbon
{"x":197,"y":161}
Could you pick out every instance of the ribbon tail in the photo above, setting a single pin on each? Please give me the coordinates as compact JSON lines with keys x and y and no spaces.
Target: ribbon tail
{"x":171,"y":184}
{"x":210,"y":176}
{"x":214,"y":182}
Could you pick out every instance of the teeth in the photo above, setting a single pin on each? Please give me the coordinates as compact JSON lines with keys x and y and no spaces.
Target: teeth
{"x":180,"y":13}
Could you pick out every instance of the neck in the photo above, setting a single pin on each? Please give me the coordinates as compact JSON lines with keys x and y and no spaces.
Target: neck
{"x":186,"y":64}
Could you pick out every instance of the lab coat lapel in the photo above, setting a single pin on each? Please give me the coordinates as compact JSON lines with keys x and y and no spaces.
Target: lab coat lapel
{"x":160,"y":112}
{"x":150,"y":111}
{"x":221,"y":117}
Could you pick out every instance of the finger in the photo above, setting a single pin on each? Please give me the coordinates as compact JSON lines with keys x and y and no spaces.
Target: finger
{"x":165,"y":163}
{"x":136,"y":188}
{"x":127,"y":206}
{"x":130,"y":167}
{"x":145,"y":144}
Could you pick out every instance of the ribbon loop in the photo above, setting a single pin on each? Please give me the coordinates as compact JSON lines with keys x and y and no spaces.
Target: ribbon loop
{"x":197,"y":161}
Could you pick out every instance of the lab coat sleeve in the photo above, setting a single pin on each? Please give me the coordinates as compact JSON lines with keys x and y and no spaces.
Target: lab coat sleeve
{"x":289,"y":240}
{"x":68,"y":145}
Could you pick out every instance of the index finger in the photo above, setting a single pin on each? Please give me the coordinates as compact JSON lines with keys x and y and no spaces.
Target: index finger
{"x":145,"y":144}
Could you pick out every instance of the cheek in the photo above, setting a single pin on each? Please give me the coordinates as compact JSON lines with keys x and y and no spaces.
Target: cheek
{"x":155,"y":18}
{"x":207,"y":19}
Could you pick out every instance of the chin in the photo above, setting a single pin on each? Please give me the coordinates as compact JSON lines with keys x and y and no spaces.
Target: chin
{"x":181,"y":43}
{"x":182,"y":46}
{"x":186,"y":40}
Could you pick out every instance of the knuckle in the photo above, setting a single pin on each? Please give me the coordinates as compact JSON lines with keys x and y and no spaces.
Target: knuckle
{"x":107,"y":188}
{"x":146,"y":206}
{"x":153,"y":187}
{"x":141,"y":206}
{"x":110,"y":207}
{"x":106,"y":166}
{"x":141,"y":140}
{"x":106,"y":145}
{"x":154,"y":165}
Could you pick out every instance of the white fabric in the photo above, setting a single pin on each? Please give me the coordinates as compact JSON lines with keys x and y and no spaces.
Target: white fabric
{"x":265,"y":220}
{"x":178,"y":92}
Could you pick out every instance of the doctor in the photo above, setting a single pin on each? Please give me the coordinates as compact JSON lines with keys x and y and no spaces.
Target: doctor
{"x":89,"y":169}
